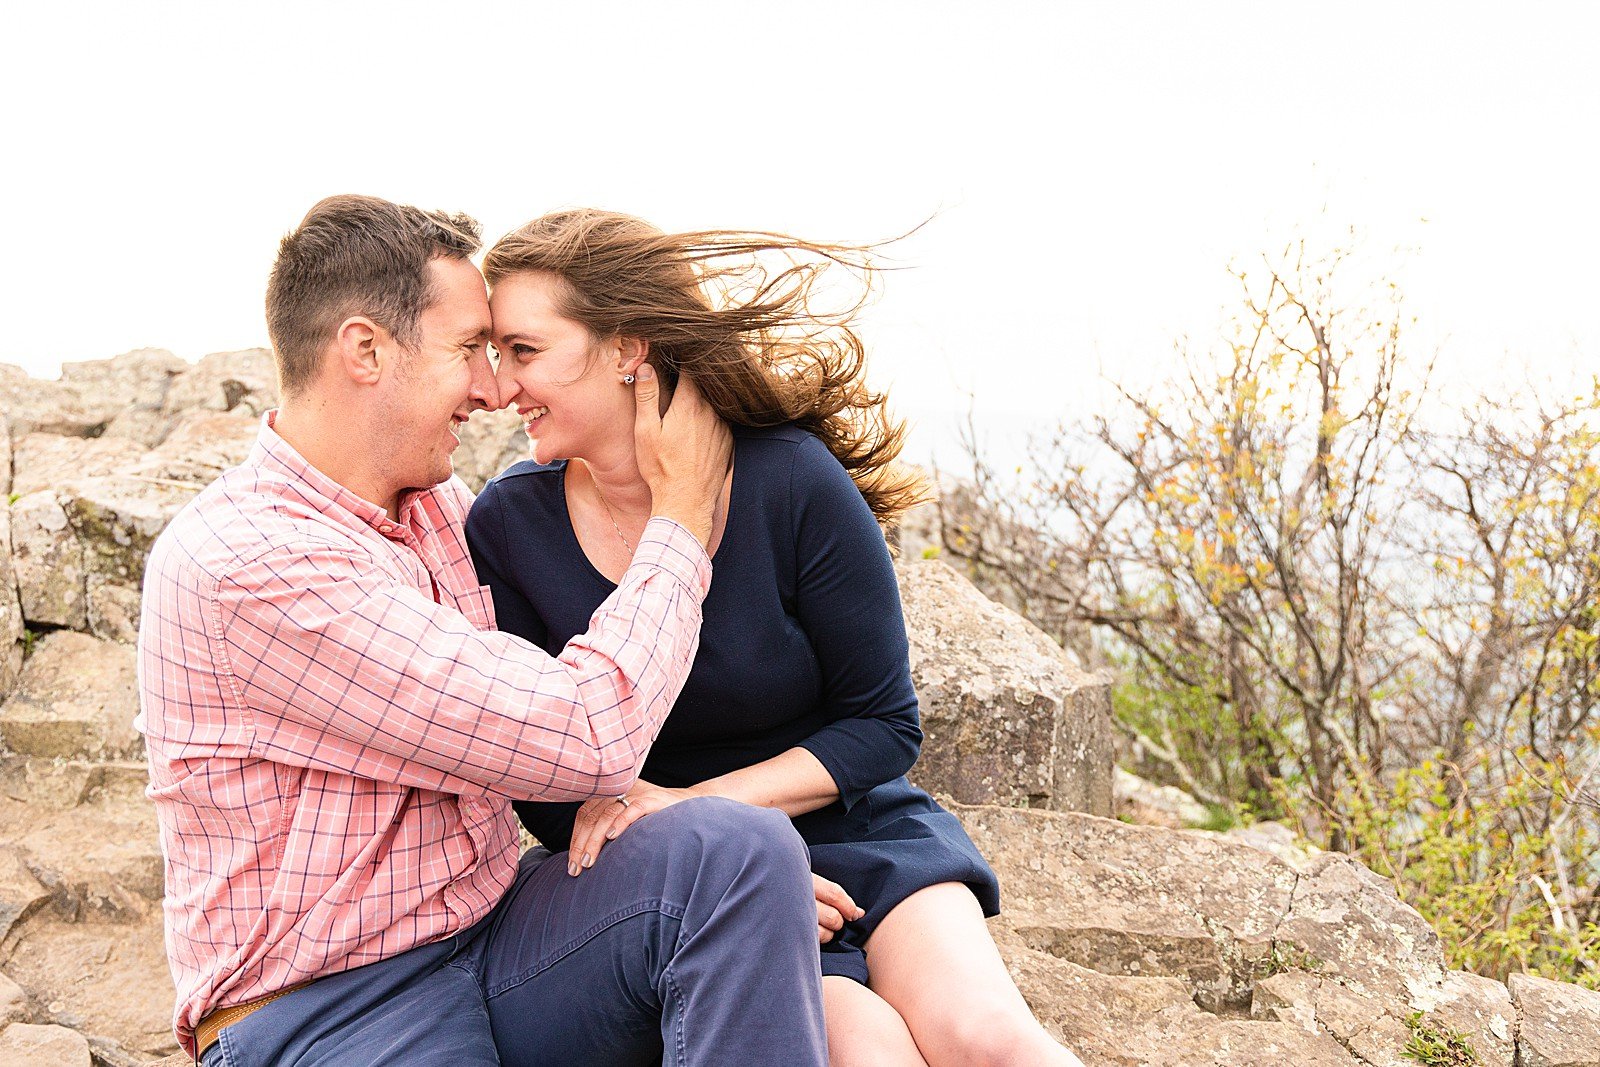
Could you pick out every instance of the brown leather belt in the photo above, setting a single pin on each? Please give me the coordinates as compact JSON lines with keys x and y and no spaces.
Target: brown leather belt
{"x":210,"y":1028}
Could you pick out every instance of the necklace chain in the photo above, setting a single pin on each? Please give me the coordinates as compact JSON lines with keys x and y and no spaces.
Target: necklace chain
{"x":612,"y":516}
{"x":716,"y":512}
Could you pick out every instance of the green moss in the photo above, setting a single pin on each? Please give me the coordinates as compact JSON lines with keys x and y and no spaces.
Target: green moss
{"x":1437,"y":1047}
{"x":1284,"y":958}
{"x":1217,"y":818}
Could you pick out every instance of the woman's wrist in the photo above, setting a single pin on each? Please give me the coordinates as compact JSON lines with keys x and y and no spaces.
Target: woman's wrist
{"x":721,"y":787}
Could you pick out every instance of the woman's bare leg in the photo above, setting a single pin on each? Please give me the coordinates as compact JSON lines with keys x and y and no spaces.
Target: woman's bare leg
{"x":933,"y":961}
{"x":863,"y":1030}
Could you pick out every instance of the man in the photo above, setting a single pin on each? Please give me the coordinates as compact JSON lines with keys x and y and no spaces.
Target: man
{"x":336,"y":731}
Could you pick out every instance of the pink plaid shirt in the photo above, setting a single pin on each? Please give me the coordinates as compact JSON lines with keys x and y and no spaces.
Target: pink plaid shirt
{"x":336,"y":730}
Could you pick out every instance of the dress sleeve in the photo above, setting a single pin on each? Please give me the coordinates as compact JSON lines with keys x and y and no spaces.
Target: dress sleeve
{"x":849,"y":605}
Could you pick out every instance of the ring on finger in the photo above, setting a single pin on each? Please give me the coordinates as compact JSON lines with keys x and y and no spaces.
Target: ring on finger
{"x":623,"y":800}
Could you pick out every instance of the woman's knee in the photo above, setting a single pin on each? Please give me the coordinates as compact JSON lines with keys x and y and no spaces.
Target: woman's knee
{"x":998,"y":1037}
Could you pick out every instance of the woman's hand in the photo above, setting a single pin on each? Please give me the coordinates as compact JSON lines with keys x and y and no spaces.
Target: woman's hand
{"x":601,"y":819}
{"x":833,"y":907}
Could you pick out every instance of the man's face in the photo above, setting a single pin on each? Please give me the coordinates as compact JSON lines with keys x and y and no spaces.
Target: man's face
{"x":440,"y":383}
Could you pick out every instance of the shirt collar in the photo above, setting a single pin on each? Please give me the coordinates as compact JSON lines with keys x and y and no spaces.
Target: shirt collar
{"x":272,"y":452}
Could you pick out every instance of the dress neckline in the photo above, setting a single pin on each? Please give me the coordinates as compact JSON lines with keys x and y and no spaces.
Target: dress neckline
{"x":571,"y":531}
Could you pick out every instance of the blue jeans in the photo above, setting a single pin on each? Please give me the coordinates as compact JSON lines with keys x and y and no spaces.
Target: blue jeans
{"x":692,"y":940}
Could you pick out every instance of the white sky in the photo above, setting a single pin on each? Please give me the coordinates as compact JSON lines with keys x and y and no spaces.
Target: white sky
{"x":1094,"y":167}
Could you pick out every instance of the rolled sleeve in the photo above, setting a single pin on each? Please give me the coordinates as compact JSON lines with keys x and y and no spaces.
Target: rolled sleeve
{"x":339,"y":668}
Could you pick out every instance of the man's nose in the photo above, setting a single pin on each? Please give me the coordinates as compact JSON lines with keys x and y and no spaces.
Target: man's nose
{"x":485,"y":392}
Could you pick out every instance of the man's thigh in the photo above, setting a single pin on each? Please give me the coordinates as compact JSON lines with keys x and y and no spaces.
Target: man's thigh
{"x":410,"y":1010}
{"x":580,"y":969}
{"x":571,"y":967}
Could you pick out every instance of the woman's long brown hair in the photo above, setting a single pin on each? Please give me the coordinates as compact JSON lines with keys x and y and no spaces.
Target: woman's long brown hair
{"x":738,"y":311}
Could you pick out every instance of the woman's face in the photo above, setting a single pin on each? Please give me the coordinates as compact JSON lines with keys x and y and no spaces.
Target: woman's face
{"x":565,"y":383}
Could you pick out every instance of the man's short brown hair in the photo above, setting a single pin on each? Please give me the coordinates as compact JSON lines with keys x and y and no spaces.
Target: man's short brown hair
{"x":356,"y":255}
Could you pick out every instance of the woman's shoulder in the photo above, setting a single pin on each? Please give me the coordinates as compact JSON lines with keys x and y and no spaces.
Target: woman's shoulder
{"x":784,"y":444}
{"x":523,"y":489}
{"x":525,"y":477}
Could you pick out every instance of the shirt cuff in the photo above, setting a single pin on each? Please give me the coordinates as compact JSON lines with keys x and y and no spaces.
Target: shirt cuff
{"x":675,"y":550}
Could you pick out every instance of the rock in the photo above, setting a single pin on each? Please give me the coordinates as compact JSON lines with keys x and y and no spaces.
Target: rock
{"x":5,"y":454}
{"x":1275,"y":839}
{"x":1008,"y":718}
{"x":227,"y":381}
{"x":76,"y":700}
{"x":51,"y":407}
{"x":1480,"y":1009}
{"x":1146,"y":802}
{"x":1137,"y":900}
{"x":134,"y":386}
{"x":41,"y":785}
{"x":1353,"y":925}
{"x":20,"y":892}
{"x":116,"y":520}
{"x":43,"y":1046}
{"x":47,"y":562}
{"x":47,"y":460}
{"x":490,"y":442}
{"x":1560,"y":1023}
{"x":1150,"y":1022}
{"x":1375,"y":1031}
{"x":201,"y":445}
{"x":11,"y":628}
{"x":109,"y":1053}
{"x":13,"y":1002}
{"x":104,"y":980}
{"x":97,"y":853}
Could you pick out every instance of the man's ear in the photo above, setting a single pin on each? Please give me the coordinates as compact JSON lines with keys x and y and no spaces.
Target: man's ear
{"x":356,"y":349}
{"x":631,"y":352}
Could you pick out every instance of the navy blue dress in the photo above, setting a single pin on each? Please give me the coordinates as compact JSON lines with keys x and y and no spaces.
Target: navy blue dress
{"x":803,"y":644}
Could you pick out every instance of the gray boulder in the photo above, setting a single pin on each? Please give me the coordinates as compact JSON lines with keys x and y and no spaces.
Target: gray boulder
{"x":1353,"y":924}
{"x":5,"y":454}
{"x":51,"y":407}
{"x":1560,"y":1023}
{"x":47,"y":460}
{"x":244,"y":381}
{"x":76,"y":700}
{"x":89,"y":953}
{"x":1145,"y":802}
{"x":1008,"y":717}
{"x":134,"y":389}
{"x":1129,"y":1021}
{"x":13,"y":1002}
{"x":1139,"y":901}
{"x":115,"y":521}
{"x":43,"y":1046}
{"x":47,"y":562}
{"x":491,"y":441}
{"x":21,"y":893}
{"x":11,"y":629}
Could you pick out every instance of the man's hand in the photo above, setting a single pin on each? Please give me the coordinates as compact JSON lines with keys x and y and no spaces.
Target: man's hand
{"x":601,"y":819}
{"x":683,"y":455}
{"x":834,"y":908}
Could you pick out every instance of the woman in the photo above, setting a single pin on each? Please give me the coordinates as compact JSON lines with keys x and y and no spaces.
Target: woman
{"x":800,"y":697}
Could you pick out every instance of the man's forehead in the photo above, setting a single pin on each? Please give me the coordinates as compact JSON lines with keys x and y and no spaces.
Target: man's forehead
{"x":461,"y":302}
